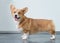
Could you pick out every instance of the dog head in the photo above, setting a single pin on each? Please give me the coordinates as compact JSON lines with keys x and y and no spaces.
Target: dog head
{"x":18,"y":13}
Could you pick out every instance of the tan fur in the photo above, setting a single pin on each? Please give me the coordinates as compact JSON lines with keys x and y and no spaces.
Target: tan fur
{"x":32,"y":26}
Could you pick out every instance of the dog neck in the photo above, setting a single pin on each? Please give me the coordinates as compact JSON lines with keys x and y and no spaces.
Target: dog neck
{"x":22,"y":21}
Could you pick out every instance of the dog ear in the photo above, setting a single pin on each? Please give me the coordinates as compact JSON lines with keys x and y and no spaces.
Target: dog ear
{"x":25,"y":9}
{"x":12,"y":8}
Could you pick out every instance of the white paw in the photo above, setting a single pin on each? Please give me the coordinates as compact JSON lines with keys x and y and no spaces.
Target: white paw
{"x":53,"y":37}
{"x":25,"y":36}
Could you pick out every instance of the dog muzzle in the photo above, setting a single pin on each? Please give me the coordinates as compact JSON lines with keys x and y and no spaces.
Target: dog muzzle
{"x":17,"y":17}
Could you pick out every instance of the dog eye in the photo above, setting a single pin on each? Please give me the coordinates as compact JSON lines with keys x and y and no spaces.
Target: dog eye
{"x":18,"y":12}
{"x":14,"y":11}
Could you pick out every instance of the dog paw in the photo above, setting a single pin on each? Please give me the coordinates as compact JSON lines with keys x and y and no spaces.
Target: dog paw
{"x":53,"y":37}
{"x":25,"y":36}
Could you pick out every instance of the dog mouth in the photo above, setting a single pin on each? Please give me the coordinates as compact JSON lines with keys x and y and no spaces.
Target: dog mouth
{"x":16,"y":18}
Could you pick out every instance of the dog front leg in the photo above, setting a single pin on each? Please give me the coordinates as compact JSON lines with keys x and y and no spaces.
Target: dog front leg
{"x":25,"y":33}
{"x":25,"y":36}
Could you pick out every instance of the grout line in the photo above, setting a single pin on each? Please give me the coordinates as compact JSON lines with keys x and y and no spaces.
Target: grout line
{"x":17,"y":32}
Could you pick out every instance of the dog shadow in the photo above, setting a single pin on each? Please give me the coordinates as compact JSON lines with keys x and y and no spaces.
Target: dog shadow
{"x":26,"y":41}
{"x":49,"y":41}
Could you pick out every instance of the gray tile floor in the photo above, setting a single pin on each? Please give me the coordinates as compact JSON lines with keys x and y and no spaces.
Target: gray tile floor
{"x":37,"y":38}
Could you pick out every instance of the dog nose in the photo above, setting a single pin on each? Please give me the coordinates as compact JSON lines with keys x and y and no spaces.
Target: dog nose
{"x":15,"y":16}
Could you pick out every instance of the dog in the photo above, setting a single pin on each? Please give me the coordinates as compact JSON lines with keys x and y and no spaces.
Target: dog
{"x":31,"y":26}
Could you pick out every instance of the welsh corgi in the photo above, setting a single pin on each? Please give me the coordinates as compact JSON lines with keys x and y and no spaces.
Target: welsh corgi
{"x":31,"y":26}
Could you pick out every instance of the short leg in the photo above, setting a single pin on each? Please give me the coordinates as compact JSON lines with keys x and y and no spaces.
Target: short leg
{"x":52,"y":35}
{"x":25,"y":36}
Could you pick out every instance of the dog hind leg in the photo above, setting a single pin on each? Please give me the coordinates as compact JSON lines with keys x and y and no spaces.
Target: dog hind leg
{"x":52,"y":32}
{"x":52,"y":35}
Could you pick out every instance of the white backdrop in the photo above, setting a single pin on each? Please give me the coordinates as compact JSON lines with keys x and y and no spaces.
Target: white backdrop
{"x":46,"y":9}
{"x":6,"y":21}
